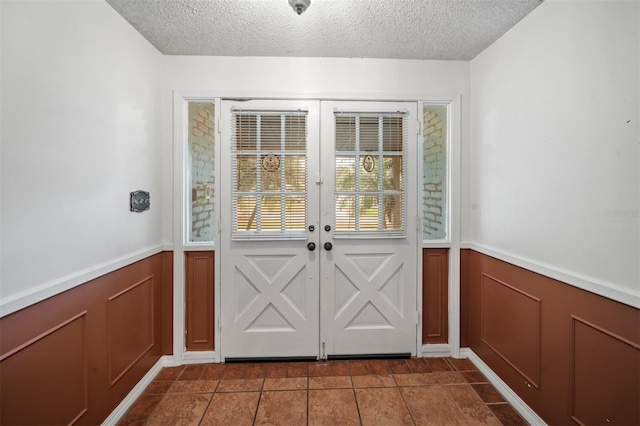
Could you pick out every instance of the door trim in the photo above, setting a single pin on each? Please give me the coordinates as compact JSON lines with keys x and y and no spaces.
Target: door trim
{"x":177,"y":193}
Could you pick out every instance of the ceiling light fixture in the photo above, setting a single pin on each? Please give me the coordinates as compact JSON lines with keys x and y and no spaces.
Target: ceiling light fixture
{"x":299,"y":6}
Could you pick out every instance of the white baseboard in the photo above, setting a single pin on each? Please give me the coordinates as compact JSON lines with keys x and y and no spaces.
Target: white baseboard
{"x":436,"y":350}
{"x":170,"y":361}
{"x":200,"y":357}
{"x":509,"y":395}
{"x":135,"y":393}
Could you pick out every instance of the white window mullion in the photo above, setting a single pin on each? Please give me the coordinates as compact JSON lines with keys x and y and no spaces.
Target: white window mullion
{"x":258,"y":173}
{"x":357,"y":166}
{"x":283,"y":206}
{"x":380,"y":173}
{"x":405,"y":150}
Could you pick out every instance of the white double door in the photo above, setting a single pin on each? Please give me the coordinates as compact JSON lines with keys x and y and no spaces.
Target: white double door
{"x":318,"y":234}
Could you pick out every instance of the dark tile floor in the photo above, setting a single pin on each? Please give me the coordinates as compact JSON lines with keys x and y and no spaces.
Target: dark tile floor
{"x":418,"y":391}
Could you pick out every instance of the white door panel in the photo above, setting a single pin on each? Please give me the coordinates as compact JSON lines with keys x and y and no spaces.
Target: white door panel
{"x":368,"y":286}
{"x":271,"y":309}
{"x":280,"y":299}
{"x":269,"y":286}
{"x":369,"y":307}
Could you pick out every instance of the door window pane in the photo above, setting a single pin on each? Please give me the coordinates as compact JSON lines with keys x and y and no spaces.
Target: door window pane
{"x":269,"y":166}
{"x":369,"y":209}
{"x":434,"y":172}
{"x":369,"y":133}
{"x":370,"y":187}
{"x":201,"y":143}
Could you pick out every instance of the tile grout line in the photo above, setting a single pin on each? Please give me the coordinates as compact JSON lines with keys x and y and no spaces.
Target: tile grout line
{"x":455,"y":403}
{"x":404,"y":400}
{"x":355,"y":397}
{"x":207,"y":407}
{"x":308,"y":392}
{"x":255,"y":414}
{"x":163,"y":396}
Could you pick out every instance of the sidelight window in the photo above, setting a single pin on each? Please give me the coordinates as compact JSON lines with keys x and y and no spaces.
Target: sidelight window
{"x":201,"y":146}
{"x":434,"y":172}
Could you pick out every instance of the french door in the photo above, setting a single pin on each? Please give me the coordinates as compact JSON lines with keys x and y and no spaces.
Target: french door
{"x":318,"y":240}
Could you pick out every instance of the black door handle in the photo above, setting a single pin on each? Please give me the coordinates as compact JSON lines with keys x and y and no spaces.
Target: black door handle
{"x":311,"y":246}
{"x":327,"y":228}
{"x":328,"y":246}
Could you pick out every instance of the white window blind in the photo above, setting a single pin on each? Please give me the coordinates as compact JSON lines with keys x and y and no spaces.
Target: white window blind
{"x":269,"y":174}
{"x":370,"y":174}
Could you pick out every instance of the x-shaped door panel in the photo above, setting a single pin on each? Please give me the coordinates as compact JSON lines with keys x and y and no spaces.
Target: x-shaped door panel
{"x":382,"y":311}
{"x":279,"y":296}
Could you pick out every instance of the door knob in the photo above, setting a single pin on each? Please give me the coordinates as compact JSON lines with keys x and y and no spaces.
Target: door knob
{"x":328,"y":246}
{"x":311,"y":246}
{"x":327,"y":228}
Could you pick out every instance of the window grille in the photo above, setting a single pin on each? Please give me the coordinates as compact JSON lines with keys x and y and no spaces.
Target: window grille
{"x":269,"y":174}
{"x":370,"y":174}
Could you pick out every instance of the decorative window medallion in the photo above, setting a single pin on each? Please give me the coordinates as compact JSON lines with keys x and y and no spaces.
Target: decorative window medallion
{"x":271,"y":163}
{"x":368,"y":163}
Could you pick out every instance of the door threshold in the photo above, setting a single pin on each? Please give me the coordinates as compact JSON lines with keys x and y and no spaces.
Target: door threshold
{"x":270,"y":359}
{"x":401,"y":355}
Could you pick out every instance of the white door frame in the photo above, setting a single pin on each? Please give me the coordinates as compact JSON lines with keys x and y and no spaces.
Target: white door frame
{"x":175,"y":194}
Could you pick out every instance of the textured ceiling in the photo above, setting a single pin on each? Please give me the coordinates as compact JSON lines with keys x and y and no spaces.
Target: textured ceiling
{"x":401,"y":29}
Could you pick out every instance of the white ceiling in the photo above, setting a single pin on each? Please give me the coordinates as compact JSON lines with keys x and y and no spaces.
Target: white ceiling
{"x":400,"y":29}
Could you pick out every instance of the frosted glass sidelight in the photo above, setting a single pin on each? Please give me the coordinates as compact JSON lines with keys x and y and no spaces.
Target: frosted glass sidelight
{"x":434,"y":172}
{"x":201,"y":142}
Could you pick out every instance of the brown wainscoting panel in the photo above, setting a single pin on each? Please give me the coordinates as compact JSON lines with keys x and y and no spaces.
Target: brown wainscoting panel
{"x":73,"y":358}
{"x":130,"y":327}
{"x":563,"y":350}
{"x":167,"y":303}
{"x":602,"y":362}
{"x":435,"y":297}
{"x":200,"y":300}
{"x":65,"y":349}
{"x":464,"y":298}
{"x":510,"y":326}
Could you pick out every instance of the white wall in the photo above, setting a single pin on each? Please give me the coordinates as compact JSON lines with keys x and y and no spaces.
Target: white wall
{"x":554,"y":160}
{"x":311,"y":76}
{"x":339,"y":78}
{"x":80,"y":129}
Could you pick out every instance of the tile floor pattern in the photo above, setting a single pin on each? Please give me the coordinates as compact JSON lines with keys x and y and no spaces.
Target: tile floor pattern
{"x":417,"y":391}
